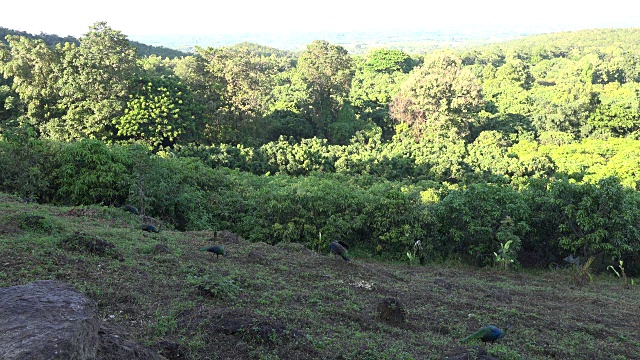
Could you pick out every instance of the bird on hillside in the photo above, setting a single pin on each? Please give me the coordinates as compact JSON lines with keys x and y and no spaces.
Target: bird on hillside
{"x":130,"y":208}
{"x":340,"y":248}
{"x":487,"y":334}
{"x":216,"y":249}
{"x":150,"y":228}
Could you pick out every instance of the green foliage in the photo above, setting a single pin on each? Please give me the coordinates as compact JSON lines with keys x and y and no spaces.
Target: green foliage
{"x":440,"y":97}
{"x":416,"y":253}
{"x":506,"y":256}
{"x":551,"y":119}
{"x":473,"y":222}
{"x":90,"y":172}
{"x":288,"y":124}
{"x":288,"y":157}
{"x":388,"y":61}
{"x":27,"y":168}
{"x":235,"y":86}
{"x":94,"y":84}
{"x":70,"y":91}
{"x":218,"y":286}
{"x":38,"y":223}
{"x":582,"y":273}
{"x":395,"y":219}
{"x":597,"y":218}
{"x":326,"y":70}
{"x":618,"y":111}
{"x":160,"y":113}
{"x":35,"y":71}
{"x":626,"y":282}
{"x":346,"y":127}
{"x":177,"y":190}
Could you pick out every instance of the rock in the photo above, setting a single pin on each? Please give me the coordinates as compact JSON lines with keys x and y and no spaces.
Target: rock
{"x":47,"y":320}
{"x":52,"y":320}
{"x":391,"y":311}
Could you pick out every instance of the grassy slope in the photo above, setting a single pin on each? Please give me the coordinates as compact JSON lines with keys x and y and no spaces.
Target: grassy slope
{"x":287,"y":302}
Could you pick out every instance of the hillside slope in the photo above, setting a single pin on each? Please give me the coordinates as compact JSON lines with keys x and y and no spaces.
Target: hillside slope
{"x":288,"y":302}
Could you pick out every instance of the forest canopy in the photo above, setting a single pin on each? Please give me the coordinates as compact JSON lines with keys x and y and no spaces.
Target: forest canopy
{"x":533,"y":141}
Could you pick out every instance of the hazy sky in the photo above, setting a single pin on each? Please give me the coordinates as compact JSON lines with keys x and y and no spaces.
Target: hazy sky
{"x":134,"y":17}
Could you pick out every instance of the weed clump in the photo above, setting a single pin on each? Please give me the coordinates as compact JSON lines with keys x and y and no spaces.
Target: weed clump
{"x":37,"y":223}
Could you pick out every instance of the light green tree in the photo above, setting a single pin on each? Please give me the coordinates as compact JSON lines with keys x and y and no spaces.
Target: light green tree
{"x":94,"y":84}
{"x":35,"y":71}
{"x":160,"y":113}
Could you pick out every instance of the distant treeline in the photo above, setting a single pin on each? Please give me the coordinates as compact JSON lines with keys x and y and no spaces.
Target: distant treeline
{"x":52,"y":40}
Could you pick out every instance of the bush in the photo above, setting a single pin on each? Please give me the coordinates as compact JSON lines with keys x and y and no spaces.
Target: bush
{"x":469,"y":222}
{"x":91,"y":172}
{"x":27,"y":167}
{"x":177,"y":190}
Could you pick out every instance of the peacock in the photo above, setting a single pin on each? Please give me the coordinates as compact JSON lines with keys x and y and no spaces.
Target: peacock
{"x":216,"y":249}
{"x":150,"y":228}
{"x":340,"y":248}
{"x":488,"y":333}
{"x":130,"y":208}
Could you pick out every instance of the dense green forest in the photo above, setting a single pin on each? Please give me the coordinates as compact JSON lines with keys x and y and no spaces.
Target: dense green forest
{"x":516,"y":154}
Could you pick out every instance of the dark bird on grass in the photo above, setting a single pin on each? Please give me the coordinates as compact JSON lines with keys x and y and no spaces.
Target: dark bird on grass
{"x":150,"y":228}
{"x":216,"y":249}
{"x":130,"y":208}
{"x":487,"y":334}
{"x":340,"y":248}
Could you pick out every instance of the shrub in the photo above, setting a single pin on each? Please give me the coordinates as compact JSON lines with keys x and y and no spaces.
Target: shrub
{"x":91,"y":172}
{"x":27,"y":167}
{"x":468,"y":221}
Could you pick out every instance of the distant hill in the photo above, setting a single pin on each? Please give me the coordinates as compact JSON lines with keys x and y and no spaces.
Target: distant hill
{"x":565,"y":43}
{"x":51,"y":40}
{"x":262,"y":50}
{"x":165,"y":52}
{"x":356,"y":42}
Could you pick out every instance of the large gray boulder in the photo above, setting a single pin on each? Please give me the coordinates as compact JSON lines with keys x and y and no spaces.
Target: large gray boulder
{"x":47,"y":320}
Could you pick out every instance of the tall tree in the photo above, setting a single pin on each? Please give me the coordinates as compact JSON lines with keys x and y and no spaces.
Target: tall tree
{"x":35,"y":71}
{"x":244,"y":80}
{"x":94,"y":84}
{"x":327,"y":71}
{"x":207,"y":90}
{"x":566,"y":105}
{"x":377,"y":79}
{"x":388,"y":61}
{"x":439,"y":98}
{"x":618,"y":110}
